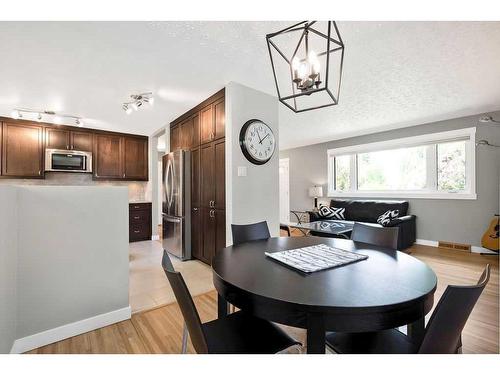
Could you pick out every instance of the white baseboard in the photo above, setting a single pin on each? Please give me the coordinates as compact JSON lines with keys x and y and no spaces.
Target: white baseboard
{"x":473,"y":249}
{"x":155,"y":237}
{"x":50,"y":336}
{"x":419,"y":241}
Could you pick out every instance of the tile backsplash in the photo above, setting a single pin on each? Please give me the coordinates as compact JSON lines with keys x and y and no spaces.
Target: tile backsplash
{"x":137,"y":190}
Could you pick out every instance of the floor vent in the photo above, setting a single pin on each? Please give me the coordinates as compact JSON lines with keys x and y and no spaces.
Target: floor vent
{"x":455,"y":246}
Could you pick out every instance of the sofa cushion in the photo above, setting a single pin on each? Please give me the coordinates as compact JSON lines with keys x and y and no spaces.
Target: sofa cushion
{"x":331,"y":213}
{"x":386,"y":218}
{"x":368,"y":210}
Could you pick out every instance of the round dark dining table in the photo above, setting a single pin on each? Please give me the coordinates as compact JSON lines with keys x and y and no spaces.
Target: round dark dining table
{"x":388,"y":290}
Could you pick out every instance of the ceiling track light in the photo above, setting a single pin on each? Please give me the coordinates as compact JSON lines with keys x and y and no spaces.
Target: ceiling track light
{"x":47,"y":116}
{"x":488,"y":119}
{"x":137,"y":101}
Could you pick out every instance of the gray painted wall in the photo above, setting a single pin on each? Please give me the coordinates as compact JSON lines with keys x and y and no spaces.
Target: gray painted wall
{"x":73,"y":254}
{"x":8,"y":267}
{"x":461,"y":221}
{"x":254,"y":197}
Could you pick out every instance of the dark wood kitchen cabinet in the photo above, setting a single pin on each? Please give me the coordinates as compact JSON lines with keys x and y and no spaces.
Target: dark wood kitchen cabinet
{"x":62,"y":139}
{"x":207,"y":124}
{"x":202,"y":130}
{"x":140,"y":216}
{"x":108,"y":160}
{"x":22,"y":150}
{"x":115,"y":156}
{"x":175,"y":141}
{"x":120,"y":157}
{"x":135,"y":158}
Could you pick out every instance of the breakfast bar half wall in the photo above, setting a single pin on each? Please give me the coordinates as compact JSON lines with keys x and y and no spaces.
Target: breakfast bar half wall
{"x":52,"y":286}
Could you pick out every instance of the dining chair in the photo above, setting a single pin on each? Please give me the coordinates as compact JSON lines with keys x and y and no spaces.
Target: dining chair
{"x":374,"y":235}
{"x":238,"y":333}
{"x":442,"y":334}
{"x":250,"y":232}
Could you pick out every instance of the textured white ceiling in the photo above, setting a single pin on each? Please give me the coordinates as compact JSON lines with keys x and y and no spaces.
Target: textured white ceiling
{"x":396,"y":74}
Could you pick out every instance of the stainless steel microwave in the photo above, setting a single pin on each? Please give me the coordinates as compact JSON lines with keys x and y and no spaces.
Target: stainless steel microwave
{"x":68,"y":161}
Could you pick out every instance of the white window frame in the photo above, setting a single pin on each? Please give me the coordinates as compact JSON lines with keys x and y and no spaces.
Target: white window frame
{"x":467,"y":134}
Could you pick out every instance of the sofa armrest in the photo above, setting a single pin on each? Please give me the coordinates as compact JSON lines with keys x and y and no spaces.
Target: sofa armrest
{"x":407,"y":230}
{"x":403,"y":219}
{"x":314,"y":216}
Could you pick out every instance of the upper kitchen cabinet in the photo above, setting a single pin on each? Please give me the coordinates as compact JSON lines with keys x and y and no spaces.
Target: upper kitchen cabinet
{"x":22,"y":149}
{"x":207,"y":133}
{"x":64,"y":139}
{"x":219,"y":118}
{"x":135,"y":158}
{"x":57,"y":138}
{"x":108,"y":157}
{"x":120,"y":157}
{"x":81,"y":141}
{"x":186,"y":134}
{"x":175,"y":141}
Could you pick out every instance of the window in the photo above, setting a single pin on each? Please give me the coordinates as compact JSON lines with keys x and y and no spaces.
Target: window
{"x":439,"y":165}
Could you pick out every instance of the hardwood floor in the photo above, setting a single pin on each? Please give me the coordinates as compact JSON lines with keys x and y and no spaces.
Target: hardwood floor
{"x":159,"y":330}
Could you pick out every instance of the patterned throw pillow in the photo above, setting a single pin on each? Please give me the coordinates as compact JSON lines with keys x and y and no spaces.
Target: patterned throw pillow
{"x":331,"y":213}
{"x":386,"y":218}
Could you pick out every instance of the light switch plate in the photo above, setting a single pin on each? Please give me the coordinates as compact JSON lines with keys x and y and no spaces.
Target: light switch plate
{"x":242,"y":171}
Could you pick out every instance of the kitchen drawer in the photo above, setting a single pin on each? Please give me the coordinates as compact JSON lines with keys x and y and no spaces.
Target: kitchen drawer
{"x":139,"y":232}
{"x":139,"y":216}
{"x":140,"y":222}
{"x":139,"y":206}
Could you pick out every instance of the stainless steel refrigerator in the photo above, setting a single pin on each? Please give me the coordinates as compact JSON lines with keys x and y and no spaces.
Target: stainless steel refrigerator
{"x":176,"y":205}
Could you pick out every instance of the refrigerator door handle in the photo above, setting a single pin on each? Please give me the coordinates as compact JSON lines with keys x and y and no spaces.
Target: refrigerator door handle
{"x":171,"y":219}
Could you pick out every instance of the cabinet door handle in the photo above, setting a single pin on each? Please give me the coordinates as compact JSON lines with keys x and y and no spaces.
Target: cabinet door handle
{"x":124,"y":175}
{"x":136,"y":231}
{"x":39,"y":172}
{"x":137,"y":206}
{"x":137,"y":217}
{"x":195,"y":209}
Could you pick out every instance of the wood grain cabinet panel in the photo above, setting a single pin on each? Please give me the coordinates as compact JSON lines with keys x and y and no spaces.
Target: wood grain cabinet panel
{"x":196,"y":235}
{"x":195,"y":178}
{"x":209,"y":234}
{"x":135,"y":158}
{"x":207,"y":124}
{"x":108,"y":151}
{"x":57,"y":138}
{"x":22,"y":150}
{"x":175,"y":138}
{"x":220,"y":230}
{"x":196,"y":131}
{"x":186,"y":134}
{"x":207,"y":175}
{"x":220,"y":118}
{"x":81,"y":141}
{"x":220,"y":174}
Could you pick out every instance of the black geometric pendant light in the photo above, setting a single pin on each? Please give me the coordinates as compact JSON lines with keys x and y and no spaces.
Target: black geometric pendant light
{"x":307,"y":63}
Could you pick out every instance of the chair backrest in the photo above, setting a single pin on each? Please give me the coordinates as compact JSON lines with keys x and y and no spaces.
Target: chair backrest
{"x":186,"y":304}
{"x":443,"y":333}
{"x":250,"y":232}
{"x":374,"y":235}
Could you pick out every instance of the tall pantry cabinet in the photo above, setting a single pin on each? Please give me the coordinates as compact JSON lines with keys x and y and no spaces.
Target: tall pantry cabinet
{"x":202,"y":131}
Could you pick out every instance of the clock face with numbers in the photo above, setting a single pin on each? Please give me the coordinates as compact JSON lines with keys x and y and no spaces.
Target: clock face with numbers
{"x":257,"y":141}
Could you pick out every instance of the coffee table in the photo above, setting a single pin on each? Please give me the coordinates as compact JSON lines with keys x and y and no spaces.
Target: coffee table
{"x":335,"y":228}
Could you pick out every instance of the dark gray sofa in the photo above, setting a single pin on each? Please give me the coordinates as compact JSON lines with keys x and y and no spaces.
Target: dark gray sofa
{"x":368,"y":211}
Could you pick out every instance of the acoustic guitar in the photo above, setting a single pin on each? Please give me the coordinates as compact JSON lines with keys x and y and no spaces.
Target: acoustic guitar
{"x":490,"y":238}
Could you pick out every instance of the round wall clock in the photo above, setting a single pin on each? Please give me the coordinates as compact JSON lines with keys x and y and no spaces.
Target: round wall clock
{"x":257,"y":141}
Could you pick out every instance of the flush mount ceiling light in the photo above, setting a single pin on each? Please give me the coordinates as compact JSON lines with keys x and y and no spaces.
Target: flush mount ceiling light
{"x":307,"y":61}
{"x":487,"y":119}
{"x":137,"y":101}
{"x":47,"y":116}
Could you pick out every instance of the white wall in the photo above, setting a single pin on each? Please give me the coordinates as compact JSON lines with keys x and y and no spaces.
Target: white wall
{"x":8,"y":267}
{"x":255,"y":197}
{"x":72,"y":261}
